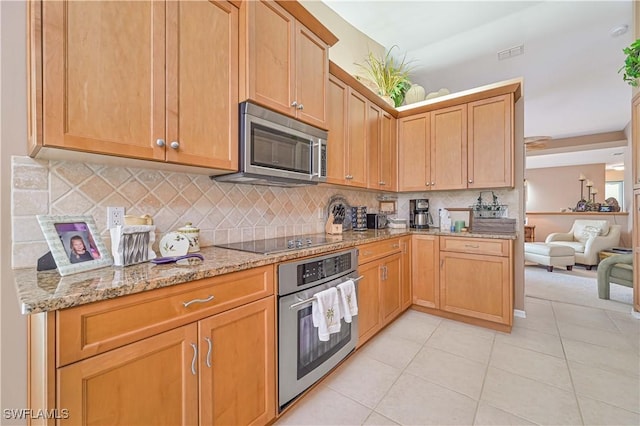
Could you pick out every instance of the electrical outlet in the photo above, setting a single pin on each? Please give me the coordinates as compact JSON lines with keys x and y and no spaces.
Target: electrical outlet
{"x":115,"y":217}
{"x":320,"y":213}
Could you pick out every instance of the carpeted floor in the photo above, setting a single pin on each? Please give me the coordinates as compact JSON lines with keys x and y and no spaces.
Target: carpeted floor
{"x":578,"y":287}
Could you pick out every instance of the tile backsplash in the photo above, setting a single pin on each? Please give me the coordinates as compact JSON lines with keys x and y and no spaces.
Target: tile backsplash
{"x":224,"y":212}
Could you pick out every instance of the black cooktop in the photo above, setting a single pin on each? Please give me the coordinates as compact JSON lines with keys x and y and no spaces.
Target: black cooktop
{"x":278,"y":245}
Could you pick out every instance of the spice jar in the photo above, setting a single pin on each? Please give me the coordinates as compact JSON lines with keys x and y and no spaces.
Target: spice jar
{"x":193,"y":235}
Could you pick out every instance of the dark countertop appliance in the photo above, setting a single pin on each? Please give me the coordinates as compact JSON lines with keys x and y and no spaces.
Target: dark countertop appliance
{"x":419,"y":216}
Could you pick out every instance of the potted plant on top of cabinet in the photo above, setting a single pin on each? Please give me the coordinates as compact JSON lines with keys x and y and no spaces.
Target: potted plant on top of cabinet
{"x":390,"y":75}
{"x":631,"y":65}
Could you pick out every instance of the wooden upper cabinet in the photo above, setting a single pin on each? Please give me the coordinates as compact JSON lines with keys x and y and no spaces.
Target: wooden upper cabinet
{"x":357,"y":139}
{"x":337,"y":124}
{"x":147,"y":80}
{"x":285,"y":65}
{"x":202,"y":96}
{"x":102,"y":84}
{"x":382,"y":151}
{"x":449,"y":148}
{"x":414,"y":153}
{"x":490,"y":145}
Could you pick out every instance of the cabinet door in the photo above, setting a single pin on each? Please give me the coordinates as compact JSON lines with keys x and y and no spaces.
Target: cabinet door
{"x":635,"y":140}
{"x":104,"y":77}
{"x":337,"y":124}
{"x":269,"y":69}
{"x":477,"y":286}
{"x":490,"y":147}
{"x":388,"y":153}
{"x":449,"y":148}
{"x":237,"y":365}
{"x":357,"y":139}
{"x":153,"y":381}
{"x":312,"y":74}
{"x":374,"y":114}
{"x":424,"y":270}
{"x":202,"y":84}
{"x":390,"y":288}
{"x":368,"y":301}
{"x":405,"y":285}
{"x":414,"y":153}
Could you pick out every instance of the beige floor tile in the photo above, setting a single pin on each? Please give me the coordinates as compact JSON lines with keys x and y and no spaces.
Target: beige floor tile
{"x":619,"y":390}
{"x":363,"y":379}
{"x":607,"y":339}
{"x":531,"y":364}
{"x":451,"y":371}
{"x":626,"y":323}
{"x":532,"y":400}
{"x":468,"y":328}
{"x":532,"y":339}
{"x":616,"y":360}
{"x":488,"y":415}
{"x":476,"y":347}
{"x":545,"y":325}
{"x":413,"y":325}
{"x":324,"y":406}
{"x":601,"y":414}
{"x":413,"y":401}
{"x":392,"y":350}
{"x":376,"y":419}
{"x":583,"y":316}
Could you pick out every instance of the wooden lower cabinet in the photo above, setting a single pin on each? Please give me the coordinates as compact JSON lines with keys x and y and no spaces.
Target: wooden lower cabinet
{"x":147,"y":382}
{"x":379,"y":295}
{"x":218,"y":371}
{"x":406,"y":295}
{"x":424,"y":270}
{"x":477,"y":286}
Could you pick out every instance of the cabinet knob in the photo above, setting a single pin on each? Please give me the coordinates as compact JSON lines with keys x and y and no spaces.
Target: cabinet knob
{"x":382,"y":183}
{"x":426,"y":183}
{"x":175,"y":145}
{"x":348,"y":177}
{"x":294,"y":104}
{"x":160,"y":142}
{"x":433,"y":183}
{"x":470,"y":180}
{"x":300,"y":107}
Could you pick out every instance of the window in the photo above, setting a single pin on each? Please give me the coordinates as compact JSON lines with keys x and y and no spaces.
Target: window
{"x":614,"y":189}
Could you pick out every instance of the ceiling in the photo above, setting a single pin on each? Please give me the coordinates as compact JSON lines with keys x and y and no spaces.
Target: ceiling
{"x":570,"y":62}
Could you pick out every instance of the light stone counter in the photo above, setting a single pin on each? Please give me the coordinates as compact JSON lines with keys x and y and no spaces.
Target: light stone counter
{"x":48,"y":291}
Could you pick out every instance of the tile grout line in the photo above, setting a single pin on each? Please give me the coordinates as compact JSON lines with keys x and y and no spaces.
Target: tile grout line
{"x":484,"y":380}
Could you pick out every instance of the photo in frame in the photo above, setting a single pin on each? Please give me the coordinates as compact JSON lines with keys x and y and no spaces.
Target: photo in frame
{"x":75,"y":243}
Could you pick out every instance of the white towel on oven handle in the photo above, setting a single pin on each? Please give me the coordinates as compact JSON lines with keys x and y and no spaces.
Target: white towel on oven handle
{"x":325,"y":312}
{"x":348,"y":298}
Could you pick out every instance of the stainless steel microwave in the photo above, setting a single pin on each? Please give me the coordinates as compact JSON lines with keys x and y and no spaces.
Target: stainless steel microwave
{"x":278,"y":150}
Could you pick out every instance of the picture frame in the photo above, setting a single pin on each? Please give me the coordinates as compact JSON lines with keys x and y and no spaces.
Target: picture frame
{"x":75,"y":243}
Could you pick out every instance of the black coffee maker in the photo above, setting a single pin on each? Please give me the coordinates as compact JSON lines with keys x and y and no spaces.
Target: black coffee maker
{"x":419,"y":213}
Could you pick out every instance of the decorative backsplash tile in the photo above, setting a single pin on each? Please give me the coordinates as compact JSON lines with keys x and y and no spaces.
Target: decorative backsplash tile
{"x":224,"y":212}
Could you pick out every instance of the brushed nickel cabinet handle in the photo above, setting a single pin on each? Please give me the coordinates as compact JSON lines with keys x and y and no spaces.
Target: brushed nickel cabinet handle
{"x":301,"y":107}
{"x":208,"y":299}
{"x":175,"y":145}
{"x":209,"y":351}
{"x":396,"y":245}
{"x":294,"y":104}
{"x":160,"y":142}
{"x":472,"y":245}
{"x":193,"y":361}
{"x":382,"y":183}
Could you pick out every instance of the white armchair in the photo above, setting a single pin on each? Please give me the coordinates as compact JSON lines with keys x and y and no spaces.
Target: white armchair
{"x":587,"y":238}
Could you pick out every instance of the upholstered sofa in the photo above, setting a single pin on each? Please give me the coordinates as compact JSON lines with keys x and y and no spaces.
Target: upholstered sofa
{"x":587,"y":238}
{"x":616,"y":269}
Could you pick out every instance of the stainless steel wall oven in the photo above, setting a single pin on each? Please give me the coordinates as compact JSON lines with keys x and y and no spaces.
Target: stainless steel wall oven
{"x":303,"y":358}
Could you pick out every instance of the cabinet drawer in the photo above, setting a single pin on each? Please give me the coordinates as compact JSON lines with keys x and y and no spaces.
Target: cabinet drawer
{"x":490,"y":247}
{"x":94,"y":328}
{"x":378,"y":249}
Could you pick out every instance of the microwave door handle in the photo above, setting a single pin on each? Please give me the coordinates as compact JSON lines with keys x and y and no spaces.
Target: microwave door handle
{"x":315,"y":158}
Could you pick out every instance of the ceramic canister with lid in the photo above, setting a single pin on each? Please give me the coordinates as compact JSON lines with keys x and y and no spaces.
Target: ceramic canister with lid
{"x":193,"y":235}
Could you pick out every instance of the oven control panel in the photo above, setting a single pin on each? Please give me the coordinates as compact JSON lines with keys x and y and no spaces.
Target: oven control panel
{"x":317,"y":270}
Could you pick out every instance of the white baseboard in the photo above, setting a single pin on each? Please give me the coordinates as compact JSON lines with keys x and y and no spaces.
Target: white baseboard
{"x":520,"y":314}
{"x":635,"y":314}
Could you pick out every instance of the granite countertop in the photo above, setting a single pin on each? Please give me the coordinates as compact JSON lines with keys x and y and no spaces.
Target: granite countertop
{"x":48,"y":291}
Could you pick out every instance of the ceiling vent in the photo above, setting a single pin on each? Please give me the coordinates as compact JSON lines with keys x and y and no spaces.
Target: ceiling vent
{"x":511,"y":52}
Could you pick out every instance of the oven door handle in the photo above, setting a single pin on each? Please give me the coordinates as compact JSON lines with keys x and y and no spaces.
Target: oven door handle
{"x":311,"y":299}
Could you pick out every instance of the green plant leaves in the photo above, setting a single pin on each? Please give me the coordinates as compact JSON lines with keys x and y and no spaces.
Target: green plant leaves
{"x":631,"y":65}
{"x":389,"y":74}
